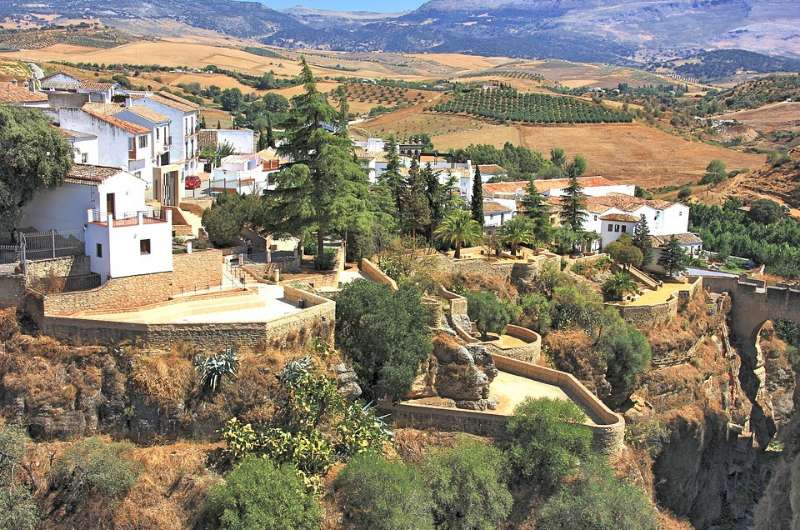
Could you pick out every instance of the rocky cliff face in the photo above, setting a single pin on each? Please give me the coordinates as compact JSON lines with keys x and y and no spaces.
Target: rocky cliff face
{"x":691,"y":414}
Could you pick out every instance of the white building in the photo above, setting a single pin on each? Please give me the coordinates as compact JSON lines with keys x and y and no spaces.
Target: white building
{"x":120,"y":143}
{"x":183,"y":116}
{"x":240,"y":173}
{"x":85,"y":146}
{"x":498,"y":211}
{"x":243,"y":141}
{"x":96,"y":92}
{"x":372,"y":145}
{"x":122,"y":236}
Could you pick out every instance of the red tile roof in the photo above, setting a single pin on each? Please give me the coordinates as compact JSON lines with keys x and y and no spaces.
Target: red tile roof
{"x":95,"y":85}
{"x":89,"y":174}
{"x":19,"y":93}
{"x":620,"y":217}
{"x":175,"y":102}
{"x":542,"y":185}
{"x":126,"y":126}
{"x":686,"y":238}
{"x":491,"y":207}
{"x":491,"y":169}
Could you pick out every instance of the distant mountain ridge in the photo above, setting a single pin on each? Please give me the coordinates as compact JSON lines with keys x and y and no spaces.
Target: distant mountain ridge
{"x":612,"y":31}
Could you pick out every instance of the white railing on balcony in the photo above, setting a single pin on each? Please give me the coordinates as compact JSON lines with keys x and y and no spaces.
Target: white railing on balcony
{"x":130,"y":218}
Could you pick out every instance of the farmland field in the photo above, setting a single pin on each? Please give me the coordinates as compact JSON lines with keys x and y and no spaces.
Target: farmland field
{"x":783,"y":115}
{"x":507,"y":104}
{"x":363,"y":97}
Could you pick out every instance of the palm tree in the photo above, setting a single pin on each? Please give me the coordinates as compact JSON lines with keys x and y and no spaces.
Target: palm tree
{"x":459,"y":229}
{"x":616,"y":287}
{"x":516,"y":232}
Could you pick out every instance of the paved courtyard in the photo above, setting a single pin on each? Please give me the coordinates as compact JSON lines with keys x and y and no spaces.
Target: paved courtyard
{"x":510,"y":390}
{"x":261,"y":304}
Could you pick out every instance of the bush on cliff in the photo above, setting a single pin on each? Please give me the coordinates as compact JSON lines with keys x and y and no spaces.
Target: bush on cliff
{"x":380,"y":494}
{"x":597,"y":500}
{"x":258,"y":494}
{"x":468,"y":486}
{"x":18,"y":509}
{"x":385,"y":334}
{"x":546,"y":441}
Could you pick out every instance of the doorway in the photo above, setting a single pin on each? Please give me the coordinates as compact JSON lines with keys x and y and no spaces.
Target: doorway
{"x":111,"y":205}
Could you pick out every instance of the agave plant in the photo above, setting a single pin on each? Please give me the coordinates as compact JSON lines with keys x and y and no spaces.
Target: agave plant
{"x":212,"y":369}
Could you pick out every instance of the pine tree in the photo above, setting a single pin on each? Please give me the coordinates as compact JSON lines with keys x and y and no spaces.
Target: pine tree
{"x":641,"y":239}
{"x":219,"y":125}
{"x":325,"y":189}
{"x":673,"y":258}
{"x":536,"y":209}
{"x":477,"y":197}
{"x":416,"y":212}
{"x":573,"y":206}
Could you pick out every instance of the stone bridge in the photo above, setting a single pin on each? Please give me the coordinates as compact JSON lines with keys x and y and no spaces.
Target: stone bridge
{"x":754,"y":303}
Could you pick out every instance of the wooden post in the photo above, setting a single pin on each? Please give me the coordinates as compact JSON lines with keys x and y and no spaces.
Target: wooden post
{"x":53,"y":241}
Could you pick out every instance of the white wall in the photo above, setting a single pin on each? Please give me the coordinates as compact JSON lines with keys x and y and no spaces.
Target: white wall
{"x":242,"y":140}
{"x":97,"y":234}
{"x":597,"y":191}
{"x":62,"y":209}
{"x":184,"y":139}
{"x":112,"y":142}
{"x":609,"y":234}
{"x":128,"y":194}
{"x":87,"y":146}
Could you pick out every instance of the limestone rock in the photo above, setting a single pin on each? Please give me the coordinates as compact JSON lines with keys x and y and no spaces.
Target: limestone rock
{"x":464,"y":372}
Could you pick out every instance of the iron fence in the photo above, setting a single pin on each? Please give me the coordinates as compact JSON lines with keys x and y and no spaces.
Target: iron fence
{"x":36,"y":246}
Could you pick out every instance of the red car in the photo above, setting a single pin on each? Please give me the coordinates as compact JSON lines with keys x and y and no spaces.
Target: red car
{"x":192,"y":182}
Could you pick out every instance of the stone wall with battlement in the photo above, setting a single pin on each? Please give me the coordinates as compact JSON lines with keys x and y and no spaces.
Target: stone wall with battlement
{"x":198,"y":271}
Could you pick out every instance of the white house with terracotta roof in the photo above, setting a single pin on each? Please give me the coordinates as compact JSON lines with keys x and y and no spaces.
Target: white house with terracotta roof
{"x":498,"y":211}
{"x":120,"y":143}
{"x":183,"y":116}
{"x":122,"y":236}
{"x":84,"y":145}
{"x":95,"y":91}
{"x":240,"y":173}
{"x":492,"y":171}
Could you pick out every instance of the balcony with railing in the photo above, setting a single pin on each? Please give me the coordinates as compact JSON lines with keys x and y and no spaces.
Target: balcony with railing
{"x":144,"y":217}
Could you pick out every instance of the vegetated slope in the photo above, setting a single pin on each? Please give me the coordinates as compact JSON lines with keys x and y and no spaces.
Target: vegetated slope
{"x":749,"y":95}
{"x":780,"y":183}
{"x":722,"y":64}
{"x":593,"y":31}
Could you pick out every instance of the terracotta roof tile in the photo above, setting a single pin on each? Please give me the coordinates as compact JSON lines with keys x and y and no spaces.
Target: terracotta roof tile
{"x":116,"y":122}
{"x":491,"y":207}
{"x":492,"y":169}
{"x":542,"y":185}
{"x":89,"y":174}
{"x":95,"y":85}
{"x":147,"y":113}
{"x":686,"y":238}
{"x":175,"y":102}
{"x":18,"y":93}
{"x":620,"y":217}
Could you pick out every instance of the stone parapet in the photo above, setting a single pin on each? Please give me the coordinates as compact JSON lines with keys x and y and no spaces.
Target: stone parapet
{"x":375,"y":274}
{"x":530,"y":352}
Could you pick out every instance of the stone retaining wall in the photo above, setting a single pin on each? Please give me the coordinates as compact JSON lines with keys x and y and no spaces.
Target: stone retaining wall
{"x":530,"y":352}
{"x":58,"y":267}
{"x":664,"y":312}
{"x":12,"y":287}
{"x":375,"y":274}
{"x":608,"y":430}
{"x":197,"y":271}
{"x":291,"y":331}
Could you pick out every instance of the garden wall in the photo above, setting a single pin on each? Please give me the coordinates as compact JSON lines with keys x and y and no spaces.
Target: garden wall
{"x":375,"y":274}
{"x":530,"y":352}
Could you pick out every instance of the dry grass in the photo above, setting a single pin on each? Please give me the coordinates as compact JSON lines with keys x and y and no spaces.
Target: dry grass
{"x":783,"y":115}
{"x":166,"y":379}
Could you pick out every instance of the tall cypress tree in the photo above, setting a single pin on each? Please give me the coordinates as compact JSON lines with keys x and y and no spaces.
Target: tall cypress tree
{"x":391,"y":176}
{"x":270,"y":133}
{"x":573,"y":206}
{"x":641,"y":239}
{"x":415,"y":207}
{"x":537,"y":210}
{"x":477,"y":197}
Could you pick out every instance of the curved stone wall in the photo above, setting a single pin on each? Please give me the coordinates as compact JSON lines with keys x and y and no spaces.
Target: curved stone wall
{"x":529,"y":353}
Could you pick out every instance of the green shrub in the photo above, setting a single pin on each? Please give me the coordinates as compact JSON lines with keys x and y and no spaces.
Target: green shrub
{"x":490,"y":314}
{"x":385,"y":334}
{"x":18,"y":510}
{"x":598,"y":501}
{"x":778,"y":158}
{"x":94,"y":466}
{"x":627,"y":355}
{"x":258,"y":495}
{"x":545,"y":440}
{"x":384,"y":495}
{"x":535,"y":312}
{"x":468,"y":487}
{"x":327,"y":261}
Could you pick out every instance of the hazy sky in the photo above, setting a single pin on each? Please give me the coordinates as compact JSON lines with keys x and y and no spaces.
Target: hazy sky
{"x":348,"y":5}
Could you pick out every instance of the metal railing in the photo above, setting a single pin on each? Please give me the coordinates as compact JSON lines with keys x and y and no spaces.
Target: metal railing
{"x":130,"y":218}
{"x":35,"y":246}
